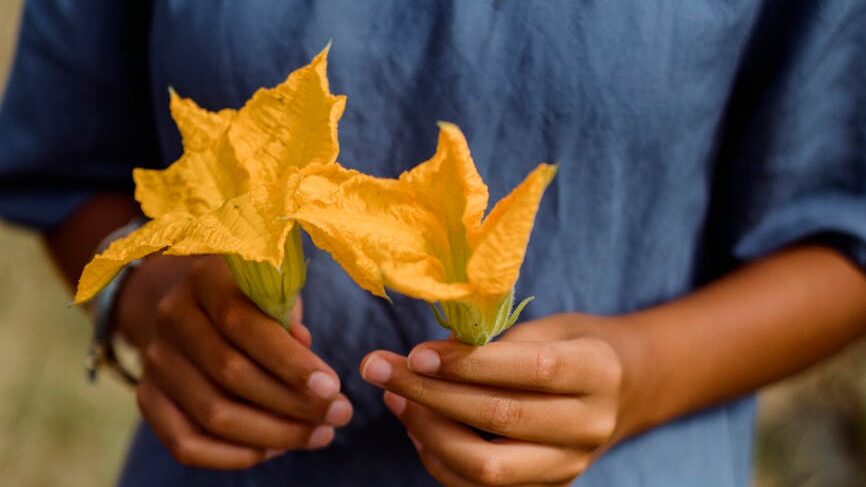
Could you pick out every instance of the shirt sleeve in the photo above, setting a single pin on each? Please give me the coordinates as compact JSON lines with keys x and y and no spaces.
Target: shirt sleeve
{"x":76,"y":116}
{"x":792,"y":166}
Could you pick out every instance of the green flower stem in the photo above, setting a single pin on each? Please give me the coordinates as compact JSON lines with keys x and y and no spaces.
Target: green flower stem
{"x":274,"y":290}
{"x":475,"y":326}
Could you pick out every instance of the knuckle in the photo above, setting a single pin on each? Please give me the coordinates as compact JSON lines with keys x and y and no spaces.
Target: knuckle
{"x":460,"y":363}
{"x":215,"y":417}
{"x":419,"y":388}
{"x":600,"y":429}
{"x":153,"y":355}
{"x":199,"y":269}
{"x":165,"y":308}
{"x":181,"y":449}
{"x":614,"y":375}
{"x":231,"y":369}
{"x":232,"y":318}
{"x":548,"y":365}
{"x":578,"y":467}
{"x":500,"y":414}
{"x":611,"y":370}
{"x":432,"y":466}
{"x":572,"y":469}
{"x":491,"y":471}
{"x":436,"y":469}
{"x":249,"y":461}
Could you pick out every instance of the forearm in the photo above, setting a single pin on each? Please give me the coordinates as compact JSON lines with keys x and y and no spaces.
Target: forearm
{"x":73,"y":243}
{"x":771,"y":319}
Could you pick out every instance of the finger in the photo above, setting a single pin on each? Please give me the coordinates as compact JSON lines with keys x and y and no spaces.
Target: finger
{"x":192,"y":332}
{"x":277,"y":351}
{"x":488,"y":463}
{"x":184,"y":441}
{"x":442,"y":473}
{"x":538,"y":417}
{"x":301,"y":333}
{"x":549,"y":328}
{"x":447,"y":477}
{"x":297,"y":328}
{"x":580,"y":366}
{"x":222,"y":416}
{"x":298,"y":311}
{"x":258,"y":335}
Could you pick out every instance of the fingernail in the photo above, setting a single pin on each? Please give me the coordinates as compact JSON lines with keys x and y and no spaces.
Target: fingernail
{"x":339,"y":413}
{"x":414,"y":441}
{"x":377,"y":370}
{"x":270,"y":454}
{"x":424,"y":361}
{"x":396,"y":403}
{"x":321,"y":436}
{"x":323,"y":385}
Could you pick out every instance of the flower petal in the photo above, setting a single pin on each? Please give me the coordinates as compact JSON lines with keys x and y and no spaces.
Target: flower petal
{"x":377,"y":232}
{"x":204,"y":177}
{"x":253,"y":226}
{"x":152,"y":237}
{"x":291,"y":125}
{"x":495,"y":263}
{"x":199,"y":128}
{"x":234,"y":189}
{"x":196,"y":183}
{"x":449,"y":185}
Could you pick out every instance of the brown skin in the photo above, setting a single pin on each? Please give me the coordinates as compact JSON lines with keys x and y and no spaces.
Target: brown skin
{"x":225,"y":387}
{"x":563,"y":389}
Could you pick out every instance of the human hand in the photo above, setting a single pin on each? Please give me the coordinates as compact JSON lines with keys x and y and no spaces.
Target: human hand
{"x":552,"y":391}
{"x":225,"y":386}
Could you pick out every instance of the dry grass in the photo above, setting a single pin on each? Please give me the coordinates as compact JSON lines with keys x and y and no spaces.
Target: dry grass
{"x":55,"y":428}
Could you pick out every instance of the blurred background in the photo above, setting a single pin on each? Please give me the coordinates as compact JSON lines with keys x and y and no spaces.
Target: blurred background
{"x":56,"y":429}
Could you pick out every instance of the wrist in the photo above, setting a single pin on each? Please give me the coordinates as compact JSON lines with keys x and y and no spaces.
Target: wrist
{"x":638,"y":401}
{"x":653,"y":393}
{"x":102,"y":351}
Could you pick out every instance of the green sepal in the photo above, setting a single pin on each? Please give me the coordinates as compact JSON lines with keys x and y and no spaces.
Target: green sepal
{"x":274,"y":290}
{"x":476,"y":326}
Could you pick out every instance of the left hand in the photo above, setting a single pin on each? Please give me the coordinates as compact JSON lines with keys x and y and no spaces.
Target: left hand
{"x":553,"y":392}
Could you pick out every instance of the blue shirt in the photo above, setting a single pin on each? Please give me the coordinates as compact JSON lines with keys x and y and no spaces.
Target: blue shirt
{"x":690,"y":138}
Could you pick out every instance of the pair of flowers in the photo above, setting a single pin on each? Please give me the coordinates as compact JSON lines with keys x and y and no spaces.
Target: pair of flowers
{"x":250,"y":179}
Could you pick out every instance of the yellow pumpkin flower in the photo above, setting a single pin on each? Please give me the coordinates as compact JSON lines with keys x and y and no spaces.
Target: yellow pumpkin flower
{"x":425,"y":236}
{"x":235,"y":187}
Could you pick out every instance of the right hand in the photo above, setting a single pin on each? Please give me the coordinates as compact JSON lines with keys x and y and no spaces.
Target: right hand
{"x":225,"y":386}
